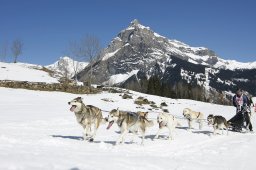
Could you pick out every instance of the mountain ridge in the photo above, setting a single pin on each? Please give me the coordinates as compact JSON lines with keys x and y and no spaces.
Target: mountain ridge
{"x":138,"y":53}
{"x":195,"y":53}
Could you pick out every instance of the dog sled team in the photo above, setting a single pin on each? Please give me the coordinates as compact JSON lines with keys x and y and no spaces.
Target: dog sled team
{"x":90,"y":118}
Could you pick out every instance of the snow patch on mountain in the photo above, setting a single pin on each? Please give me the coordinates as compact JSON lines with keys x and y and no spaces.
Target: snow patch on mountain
{"x":118,"y":78}
{"x":243,"y":80}
{"x":111,"y":54}
{"x":233,"y":64}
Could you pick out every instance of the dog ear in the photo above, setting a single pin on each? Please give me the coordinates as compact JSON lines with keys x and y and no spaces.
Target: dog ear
{"x":210,"y":115}
{"x":80,"y":99}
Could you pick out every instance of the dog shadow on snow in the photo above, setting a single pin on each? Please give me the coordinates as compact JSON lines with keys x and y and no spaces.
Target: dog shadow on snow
{"x":68,"y":137}
{"x":196,"y":131}
{"x":206,"y":132}
{"x":80,"y":138}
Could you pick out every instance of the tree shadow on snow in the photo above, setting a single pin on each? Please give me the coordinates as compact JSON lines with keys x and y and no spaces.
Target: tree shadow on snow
{"x":68,"y":137}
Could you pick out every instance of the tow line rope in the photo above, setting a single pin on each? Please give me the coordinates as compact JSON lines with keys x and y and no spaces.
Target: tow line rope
{"x":178,"y":117}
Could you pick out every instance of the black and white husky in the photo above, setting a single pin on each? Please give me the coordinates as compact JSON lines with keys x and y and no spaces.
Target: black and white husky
{"x":129,"y":121}
{"x":87,"y":116}
{"x":218,"y":123}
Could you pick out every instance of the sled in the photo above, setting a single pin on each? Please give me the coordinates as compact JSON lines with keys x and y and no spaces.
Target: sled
{"x":241,"y":120}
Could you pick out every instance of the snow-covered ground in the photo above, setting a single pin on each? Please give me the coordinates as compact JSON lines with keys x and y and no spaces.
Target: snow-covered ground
{"x":37,"y":131}
{"x":24,"y":72}
{"x":34,"y":73}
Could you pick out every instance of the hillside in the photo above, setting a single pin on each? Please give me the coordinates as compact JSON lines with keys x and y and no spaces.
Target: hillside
{"x":64,"y":67}
{"x":25,"y":72}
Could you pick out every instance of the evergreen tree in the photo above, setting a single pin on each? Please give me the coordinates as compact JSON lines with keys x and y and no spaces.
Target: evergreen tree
{"x":154,"y":86}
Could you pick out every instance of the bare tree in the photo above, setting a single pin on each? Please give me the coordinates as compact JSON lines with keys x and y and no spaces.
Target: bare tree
{"x":65,"y":70}
{"x":88,"y":48}
{"x":77,"y":53}
{"x":92,"y":50}
{"x":16,"y":48}
{"x":3,"y":51}
{"x":65,"y":74}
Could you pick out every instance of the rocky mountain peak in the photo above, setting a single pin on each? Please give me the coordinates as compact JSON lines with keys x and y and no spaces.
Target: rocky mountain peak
{"x":135,"y":22}
{"x":139,"y":50}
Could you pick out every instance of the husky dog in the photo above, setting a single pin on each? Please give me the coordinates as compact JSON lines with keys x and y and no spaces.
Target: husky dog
{"x":129,"y":121}
{"x":166,"y":120}
{"x":191,"y":115}
{"x":143,"y":114}
{"x":86,"y":116}
{"x":218,"y":123}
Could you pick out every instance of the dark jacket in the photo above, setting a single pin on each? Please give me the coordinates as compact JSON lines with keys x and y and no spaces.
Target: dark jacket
{"x":245,"y":101}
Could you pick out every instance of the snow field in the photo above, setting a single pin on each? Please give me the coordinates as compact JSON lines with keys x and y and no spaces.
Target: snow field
{"x":37,"y":131}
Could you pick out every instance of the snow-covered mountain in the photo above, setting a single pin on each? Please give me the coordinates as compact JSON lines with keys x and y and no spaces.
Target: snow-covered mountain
{"x":66,"y":67}
{"x":137,"y":54}
{"x":159,"y":46}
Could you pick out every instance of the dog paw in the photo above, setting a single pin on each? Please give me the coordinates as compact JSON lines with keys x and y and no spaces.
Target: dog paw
{"x":170,"y":138}
{"x":90,"y":140}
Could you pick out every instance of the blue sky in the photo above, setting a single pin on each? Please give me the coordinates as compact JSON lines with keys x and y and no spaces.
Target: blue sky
{"x":46,"y":26}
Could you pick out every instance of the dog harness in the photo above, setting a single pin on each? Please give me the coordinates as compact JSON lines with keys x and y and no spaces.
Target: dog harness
{"x":199,"y":113}
{"x":131,"y":114}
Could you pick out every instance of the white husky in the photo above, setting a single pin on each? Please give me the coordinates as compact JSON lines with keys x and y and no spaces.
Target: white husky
{"x":168,"y":121}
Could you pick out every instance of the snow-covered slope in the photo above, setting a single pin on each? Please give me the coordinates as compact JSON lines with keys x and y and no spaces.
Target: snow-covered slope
{"x":44,"y":134}
{"x":66,"y":66}
{"x":36,"y":73}
{"x":24,"y":72}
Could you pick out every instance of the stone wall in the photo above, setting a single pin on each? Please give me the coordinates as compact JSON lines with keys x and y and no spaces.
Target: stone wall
{"x":48,"y":87}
